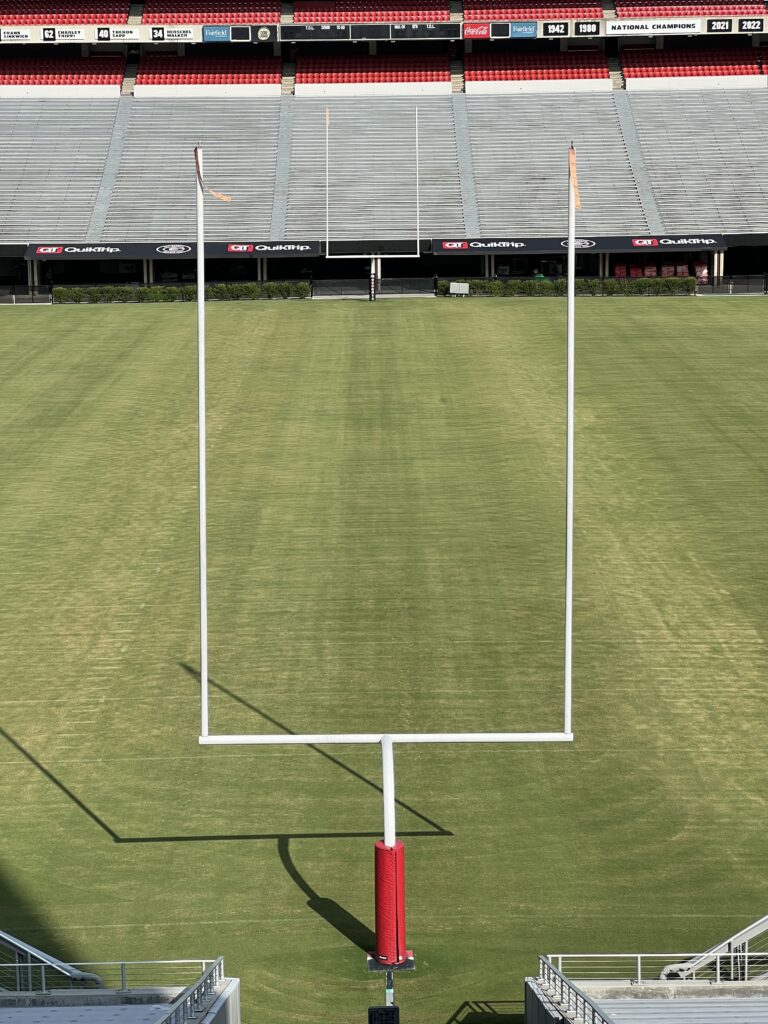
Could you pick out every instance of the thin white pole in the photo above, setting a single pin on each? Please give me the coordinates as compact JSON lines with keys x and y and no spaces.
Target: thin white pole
{"x":388,"y":789}
{"x":571,"y":349}
{"x":327,"y":183}
{"x":201,"y":489}
{"x":418,"y":202}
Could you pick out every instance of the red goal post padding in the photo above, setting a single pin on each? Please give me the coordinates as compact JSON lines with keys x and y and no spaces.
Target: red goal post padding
{"x":389,"y":864}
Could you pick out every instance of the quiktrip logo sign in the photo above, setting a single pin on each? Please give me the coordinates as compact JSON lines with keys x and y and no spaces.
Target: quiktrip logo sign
{"x":684,"y":242}
{"x":475,"y":244}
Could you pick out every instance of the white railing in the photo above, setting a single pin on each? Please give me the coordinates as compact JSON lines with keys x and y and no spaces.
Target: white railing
{"x":197,"y":996}
{"x":644,"y":967}
{"x":22,"y":963}
{"x":567,"y":997}
{"x":746,"y":943}
{"x":117,"y":975}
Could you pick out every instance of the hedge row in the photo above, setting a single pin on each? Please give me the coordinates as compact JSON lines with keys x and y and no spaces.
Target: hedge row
{"x":184,"y":292}
{"x":584,"y":286}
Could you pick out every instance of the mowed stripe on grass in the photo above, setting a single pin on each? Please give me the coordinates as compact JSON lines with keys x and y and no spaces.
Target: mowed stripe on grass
{"x":386,"y":490}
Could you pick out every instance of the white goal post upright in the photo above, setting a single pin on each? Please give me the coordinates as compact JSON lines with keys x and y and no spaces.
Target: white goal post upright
{"x":573,"y":202}
{"x":201,"y":463}
{"x":201,"y":190}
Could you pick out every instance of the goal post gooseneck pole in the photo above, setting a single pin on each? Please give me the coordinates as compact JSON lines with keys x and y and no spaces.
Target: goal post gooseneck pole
{"x":201,"y":489}
{"x":390,"y":841}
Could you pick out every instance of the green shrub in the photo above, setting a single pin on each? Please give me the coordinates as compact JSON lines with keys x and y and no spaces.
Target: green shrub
{"x":583,"y":286}
{"x":228,"y":292}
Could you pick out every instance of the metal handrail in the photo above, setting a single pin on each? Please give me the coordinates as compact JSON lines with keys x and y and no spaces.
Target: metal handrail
{"x":116,"y":975}
{"x":193,"y":999}
{"x":737,"y":944}
{"x":28,"y":956}
{"x":638,"y":968}
{"x":568,"y":997}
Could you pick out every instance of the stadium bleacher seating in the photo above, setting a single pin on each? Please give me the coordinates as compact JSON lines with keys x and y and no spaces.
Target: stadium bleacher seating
{"x":372,"y":69}
{"x":679,"y":63}
{"x":211,"y":12}
{"x":172,"y":71}
{"x":491,"y":10}
{"x":498,"y":70}
{"x":688,"y":8}
{"x":373,"y":73}
{"x":53,"y":12}
{"x":344,"y":11}
{"x":62,"y":71}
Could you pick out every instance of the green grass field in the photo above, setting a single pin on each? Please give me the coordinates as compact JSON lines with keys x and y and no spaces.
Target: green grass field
{"x":386,"y":522}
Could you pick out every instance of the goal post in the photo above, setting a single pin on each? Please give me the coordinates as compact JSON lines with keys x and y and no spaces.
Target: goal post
{"x":389,"y":862}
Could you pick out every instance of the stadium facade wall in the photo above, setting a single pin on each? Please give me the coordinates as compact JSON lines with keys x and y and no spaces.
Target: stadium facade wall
{"x":374,"y":88}
{"x":208,"y":89}
{"x":696,"y":82}
{"x":543,"y":85}
{"x":60,"y":92}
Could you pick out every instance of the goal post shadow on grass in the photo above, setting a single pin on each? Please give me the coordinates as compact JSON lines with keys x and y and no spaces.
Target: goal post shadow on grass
{"x":391,"y":953}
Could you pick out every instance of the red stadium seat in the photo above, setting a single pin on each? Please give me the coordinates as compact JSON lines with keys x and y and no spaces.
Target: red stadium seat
{"x":167,"y":69}
{"x":312,"y":70}
{"x":511,"y":65}
{"x":211,"y":12}
{"x":55,"y":12}
{"x":106,"y":70}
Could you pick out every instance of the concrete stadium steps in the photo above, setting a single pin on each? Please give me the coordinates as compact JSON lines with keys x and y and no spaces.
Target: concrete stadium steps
{"x":51,"y":164}
{"x":372,"y":160}
{"x":153,"y":196}
{"x":492,"y":165}
{"x":706,"y":154}
{"x":519,"y":152}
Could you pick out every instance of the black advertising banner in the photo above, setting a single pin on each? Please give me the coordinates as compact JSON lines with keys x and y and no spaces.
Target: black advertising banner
{"x":168,"y":250}
{"x":427,"y":30}
{"x":313,"y":33}
{"x":11,"y":250}
{"x":586,"y":28}
{"x":376,"y":31}
{"x":751,"y":24}
{"x":610,"y":243}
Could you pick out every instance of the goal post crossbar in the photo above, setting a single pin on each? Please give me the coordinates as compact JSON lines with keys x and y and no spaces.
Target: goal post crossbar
{"x":396,"y":737}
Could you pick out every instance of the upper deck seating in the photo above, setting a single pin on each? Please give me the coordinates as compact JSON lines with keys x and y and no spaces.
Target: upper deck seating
{"x":677,"y":63}
{"x":688,"y":9}
{"x":314,"y":70}
{"x":211,"y":12}
{"x":58,"y":12}
{"x":26,"y":71}
{"x":168,"y":69}
{"x":511,"y":65}
{"x":491,"y":10}
{"x":365,"y":11}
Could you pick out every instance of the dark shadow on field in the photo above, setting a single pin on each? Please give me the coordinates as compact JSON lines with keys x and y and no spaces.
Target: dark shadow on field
{"x":433,"y":830}
{"x":318,"y":750}
{"x":488,"y":1011}
{"x":61,"y":787}
{"x":22,"y":920}
{"x":336,"y":916}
